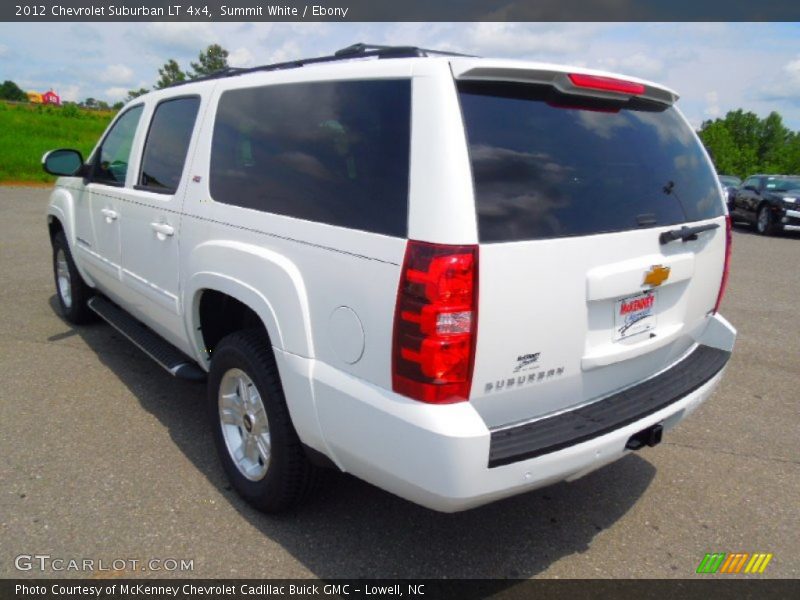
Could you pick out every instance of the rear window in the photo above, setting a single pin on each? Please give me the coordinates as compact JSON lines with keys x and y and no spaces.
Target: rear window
{"x":335,"y":152}
{"x":167,"y":144}
{"x":545,"y":166}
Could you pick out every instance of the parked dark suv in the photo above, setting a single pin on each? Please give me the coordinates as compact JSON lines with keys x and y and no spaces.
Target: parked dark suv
{"x":771,"y":203}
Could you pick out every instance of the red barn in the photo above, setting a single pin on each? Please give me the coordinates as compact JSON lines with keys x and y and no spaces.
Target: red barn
{"x":51,"y":98}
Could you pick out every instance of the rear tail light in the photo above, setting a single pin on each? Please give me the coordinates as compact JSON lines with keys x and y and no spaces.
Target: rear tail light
{"x":727,"y":265}
{"x":606,"y":84}
{"x":435,"y":323}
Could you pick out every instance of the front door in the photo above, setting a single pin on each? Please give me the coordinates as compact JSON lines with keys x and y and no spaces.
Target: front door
{"x":104,"y":191}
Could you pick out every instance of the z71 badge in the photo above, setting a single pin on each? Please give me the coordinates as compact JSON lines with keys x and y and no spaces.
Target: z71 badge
{"x":525,"y":361}
{"x":526,"y":371}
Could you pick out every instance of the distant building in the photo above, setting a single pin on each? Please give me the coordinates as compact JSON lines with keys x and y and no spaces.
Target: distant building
{"x":49,"y":97}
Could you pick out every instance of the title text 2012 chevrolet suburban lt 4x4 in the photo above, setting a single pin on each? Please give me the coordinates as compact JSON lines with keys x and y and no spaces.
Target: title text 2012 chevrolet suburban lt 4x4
{"x":456,"y":278}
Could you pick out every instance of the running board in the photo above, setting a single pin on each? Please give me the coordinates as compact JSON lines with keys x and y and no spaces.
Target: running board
{"x":149,"y":342}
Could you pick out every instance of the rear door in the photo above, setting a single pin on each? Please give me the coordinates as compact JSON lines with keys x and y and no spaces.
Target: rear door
{"x":578,"y":296}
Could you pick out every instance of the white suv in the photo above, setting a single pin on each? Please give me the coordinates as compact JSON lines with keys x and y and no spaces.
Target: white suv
{"x":456,"y":278}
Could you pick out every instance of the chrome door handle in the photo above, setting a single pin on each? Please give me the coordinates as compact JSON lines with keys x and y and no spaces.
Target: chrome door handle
{"x":163,"y":229}
{"x":109,"y":214}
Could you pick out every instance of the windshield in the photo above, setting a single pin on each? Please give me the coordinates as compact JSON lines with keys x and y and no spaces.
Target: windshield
{"x":729,"y":180}
{"x":544,"y":166}
{"x":782,"y":184}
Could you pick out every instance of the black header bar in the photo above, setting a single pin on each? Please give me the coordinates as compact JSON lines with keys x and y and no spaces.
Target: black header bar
{"x":397,"y":10}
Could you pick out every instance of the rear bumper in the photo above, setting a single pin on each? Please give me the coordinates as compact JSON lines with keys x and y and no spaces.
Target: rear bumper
{"x":445,"y":458}
{"x":548,"y":434}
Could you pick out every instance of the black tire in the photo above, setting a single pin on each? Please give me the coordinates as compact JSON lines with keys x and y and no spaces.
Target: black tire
{"x":289,"y":476}
{"x":765,"y":222}
{"x":74,"y":308}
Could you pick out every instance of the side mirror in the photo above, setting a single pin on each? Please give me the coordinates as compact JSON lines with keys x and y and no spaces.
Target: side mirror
{"x":63,"y":162}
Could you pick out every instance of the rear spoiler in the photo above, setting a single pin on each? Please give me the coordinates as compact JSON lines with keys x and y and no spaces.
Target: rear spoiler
{"x":574,"y":81}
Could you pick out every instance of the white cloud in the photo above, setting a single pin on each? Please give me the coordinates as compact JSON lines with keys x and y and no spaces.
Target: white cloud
{"x":117,"y":74}
{"x":712,"y":104}
{"x":116,"y":93}
{"x":287,"y":51}
{"x":190,"y":37}
{"x":641,"y":64}
{"x":785,"y":85}
{"x":792,"y":69}
{"x":4,"y":51}
{"x":637,"y":64}
{"x":241,"y":57}
{"x":524,"y":39}
{"x":70,"y":93}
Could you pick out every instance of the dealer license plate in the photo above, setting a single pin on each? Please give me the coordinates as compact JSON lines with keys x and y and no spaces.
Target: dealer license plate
{"x":634,"y":315}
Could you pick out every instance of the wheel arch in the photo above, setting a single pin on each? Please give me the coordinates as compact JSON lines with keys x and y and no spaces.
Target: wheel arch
{"x":299,"y":397}
{"x":265,"y":281}
{"x":61,"y":213}
{"x":202,"y":286}
{"x":54,"y":226}
{"x":61,"y":218}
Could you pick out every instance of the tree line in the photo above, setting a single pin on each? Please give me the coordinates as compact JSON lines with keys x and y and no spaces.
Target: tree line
{"x":213,"y":58}
{"x":742,"y":144}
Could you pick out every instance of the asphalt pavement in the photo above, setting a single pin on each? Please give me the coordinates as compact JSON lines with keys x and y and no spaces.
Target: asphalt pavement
{"x":105,"y":456}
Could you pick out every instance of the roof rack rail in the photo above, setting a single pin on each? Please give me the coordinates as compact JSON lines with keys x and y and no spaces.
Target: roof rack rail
{"x":359,"y":50}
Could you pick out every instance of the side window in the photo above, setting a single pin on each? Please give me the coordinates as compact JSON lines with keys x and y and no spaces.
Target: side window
{"x":751,"y":182}
{"x":111,"y":164}
{"x":167,"y":144}
{"x":334,"y":152}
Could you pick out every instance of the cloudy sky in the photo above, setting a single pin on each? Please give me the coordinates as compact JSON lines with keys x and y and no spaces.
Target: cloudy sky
{"x":715,"y":67}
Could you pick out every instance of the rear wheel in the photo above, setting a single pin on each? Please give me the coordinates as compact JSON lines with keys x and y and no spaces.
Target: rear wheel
{"x":765,"y":223}
{"x":71,"y":290}
{"x":253,"y":432}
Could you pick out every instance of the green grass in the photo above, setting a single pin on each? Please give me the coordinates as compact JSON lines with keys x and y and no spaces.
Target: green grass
{"x":28,"y":131}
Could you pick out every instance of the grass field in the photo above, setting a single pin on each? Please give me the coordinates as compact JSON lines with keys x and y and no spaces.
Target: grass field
{"x":28,"y":131}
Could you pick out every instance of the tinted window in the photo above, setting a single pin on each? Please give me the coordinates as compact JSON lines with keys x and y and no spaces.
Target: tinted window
{"x":547,"y":165}
{"x":334,"y":152}
{"x":112,"y":162}
{"x":782,"y":184}
{"x":167,"y":144}
{"x":752,"y":182}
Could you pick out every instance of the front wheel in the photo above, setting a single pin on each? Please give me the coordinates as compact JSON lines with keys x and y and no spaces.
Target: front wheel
{"x":765,"y":222}
{"x":71,"y":290}
{"x":257,"y":443}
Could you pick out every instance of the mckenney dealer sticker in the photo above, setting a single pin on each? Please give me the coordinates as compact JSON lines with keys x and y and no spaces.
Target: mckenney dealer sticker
{"x":634,"y":315}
